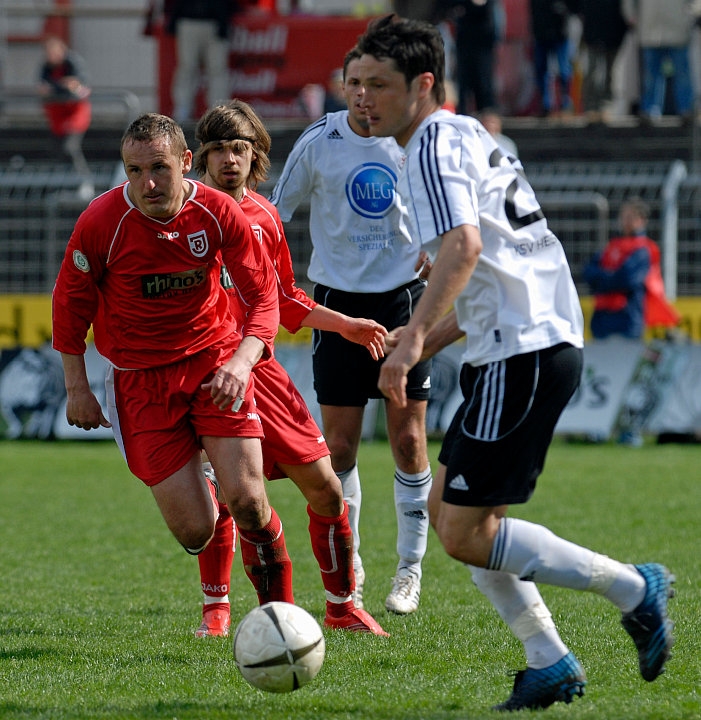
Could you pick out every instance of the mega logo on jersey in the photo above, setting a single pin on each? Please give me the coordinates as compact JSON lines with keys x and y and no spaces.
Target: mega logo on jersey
{"x":370,"y":190}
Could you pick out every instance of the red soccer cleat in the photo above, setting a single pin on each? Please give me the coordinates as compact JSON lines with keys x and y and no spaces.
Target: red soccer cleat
{"x":356,"y":621}
{"x":215,"y":621}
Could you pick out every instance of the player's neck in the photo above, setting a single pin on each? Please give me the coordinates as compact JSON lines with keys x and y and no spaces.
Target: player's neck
{"x":357,"y":128}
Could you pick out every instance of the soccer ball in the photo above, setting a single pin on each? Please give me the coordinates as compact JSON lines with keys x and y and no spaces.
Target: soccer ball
{"x":279,"y":647}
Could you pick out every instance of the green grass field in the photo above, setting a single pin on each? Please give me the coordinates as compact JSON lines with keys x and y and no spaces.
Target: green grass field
{"x":98,"y":602}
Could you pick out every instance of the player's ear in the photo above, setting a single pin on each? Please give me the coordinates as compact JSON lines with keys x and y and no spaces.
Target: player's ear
{"x":424,"y":83}
{"x":187,"y":161}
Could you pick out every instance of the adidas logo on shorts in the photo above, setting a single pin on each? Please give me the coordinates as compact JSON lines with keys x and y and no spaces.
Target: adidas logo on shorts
{"x":458,"y":483}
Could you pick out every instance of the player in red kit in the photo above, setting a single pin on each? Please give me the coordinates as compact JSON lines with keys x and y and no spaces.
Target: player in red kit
{"x":143,"y":267}
{"x":233,"y":157}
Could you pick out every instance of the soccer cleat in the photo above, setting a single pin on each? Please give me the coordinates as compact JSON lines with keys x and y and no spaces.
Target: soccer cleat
{"x":537,"y":689}
{"x":404,"y":596}
{"x":357,"y":594}
{"x":356,"y":621}
{"x":215,"y":621}
{"x":648,"y":624}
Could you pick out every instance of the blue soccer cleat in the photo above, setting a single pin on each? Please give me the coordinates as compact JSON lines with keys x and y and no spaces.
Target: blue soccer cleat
{"x":537,"y":689}
{"x":648,"y":624}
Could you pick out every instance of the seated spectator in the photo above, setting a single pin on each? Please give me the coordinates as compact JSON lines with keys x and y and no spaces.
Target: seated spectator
{"x":627,"y":281}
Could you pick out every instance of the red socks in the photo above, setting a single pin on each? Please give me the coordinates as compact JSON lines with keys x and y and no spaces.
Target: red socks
{"x":266,"y":561}
{"x":332,"y":545}
{"x":215,"y":560}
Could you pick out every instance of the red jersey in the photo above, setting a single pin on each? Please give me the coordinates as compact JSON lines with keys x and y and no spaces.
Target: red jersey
{"x":151,"y":287}
{"x":265,"y":222}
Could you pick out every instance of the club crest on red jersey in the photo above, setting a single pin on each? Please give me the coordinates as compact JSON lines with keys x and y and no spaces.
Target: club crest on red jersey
{"x":199,"y":244}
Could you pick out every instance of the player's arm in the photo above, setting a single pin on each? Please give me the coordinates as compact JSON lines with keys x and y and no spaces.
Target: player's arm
{"x":452,"y":269}
{"x":445,"y":332}
{"x":82,"y":407}
{"x":254,"y":278}
{"x":297,"y":309}
{"x":358,"y":330}
{"x":423,"y":265}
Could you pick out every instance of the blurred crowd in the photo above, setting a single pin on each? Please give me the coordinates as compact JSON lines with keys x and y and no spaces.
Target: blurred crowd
{"x":593,"y":58}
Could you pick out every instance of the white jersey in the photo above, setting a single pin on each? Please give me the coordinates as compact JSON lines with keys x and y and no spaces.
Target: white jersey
{"x":349,"y":180}
{"x":521,"y":296}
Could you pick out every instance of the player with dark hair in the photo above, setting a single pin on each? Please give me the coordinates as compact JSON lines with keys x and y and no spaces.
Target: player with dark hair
{"x":507,"y":276}
{"x":143,"y":267}
{"x":233,"y":157}
{"x":363,"y":264}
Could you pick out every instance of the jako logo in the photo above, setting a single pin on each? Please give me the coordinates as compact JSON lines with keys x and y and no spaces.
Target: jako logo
{"x":370,"y":190}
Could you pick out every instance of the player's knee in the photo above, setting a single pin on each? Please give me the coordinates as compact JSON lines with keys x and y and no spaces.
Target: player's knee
{"x":342,"y":453}
{"x":195,"y":541}
{"x":457,"y":546}
{"x":410,"y":448}
{"x":326,"y":500}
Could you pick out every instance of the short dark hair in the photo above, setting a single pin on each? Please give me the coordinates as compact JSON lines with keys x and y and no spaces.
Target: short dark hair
{"x":415,"y":47}
{"x":234,"y":122}
{"x":152,"y":126}
{"x":352,"y":54}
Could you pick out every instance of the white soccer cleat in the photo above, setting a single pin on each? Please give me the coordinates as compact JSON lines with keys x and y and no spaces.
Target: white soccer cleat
{"x":403,"y":599}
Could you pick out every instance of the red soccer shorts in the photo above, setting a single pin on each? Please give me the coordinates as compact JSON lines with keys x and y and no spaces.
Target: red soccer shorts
{"x":158,"y":415}
{"x":292,"y":436}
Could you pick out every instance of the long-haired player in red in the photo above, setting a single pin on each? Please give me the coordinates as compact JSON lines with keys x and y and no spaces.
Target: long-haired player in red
{"x":233,"y":157}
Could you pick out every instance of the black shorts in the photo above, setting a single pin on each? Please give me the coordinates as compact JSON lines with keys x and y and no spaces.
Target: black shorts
{"x":496,"y":445}
{"x":344,"y":372}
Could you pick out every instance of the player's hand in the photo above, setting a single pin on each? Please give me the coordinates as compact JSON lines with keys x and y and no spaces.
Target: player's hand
{"x":392,"y":339}
{"x":394,"y":370}
{"x":423,"y":265}
{"x":83,"y":410}
{"x":228,"y":383}
{"x":367,"y":333}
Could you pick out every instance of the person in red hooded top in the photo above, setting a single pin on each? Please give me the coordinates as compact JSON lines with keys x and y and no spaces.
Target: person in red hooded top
{"x":626,"y":280}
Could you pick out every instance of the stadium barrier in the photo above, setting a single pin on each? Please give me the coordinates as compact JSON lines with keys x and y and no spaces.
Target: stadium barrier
{"x":650,"y":387}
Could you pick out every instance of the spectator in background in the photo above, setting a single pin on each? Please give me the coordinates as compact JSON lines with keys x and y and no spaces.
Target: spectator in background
{"x":63,"y":86}
{"x":334,"y":99}
{"x":201,"y":29}
{"x":491,"y":119}
{"x":626,"y":280}
{"x":479,"y":26}
{"x":551,"y":42}
{"x":603,"y":30}
{"x":664,"y":33}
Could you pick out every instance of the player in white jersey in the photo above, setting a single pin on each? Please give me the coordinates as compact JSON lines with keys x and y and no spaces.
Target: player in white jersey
{"x":514,"y":298}
{"x":363,"y":265}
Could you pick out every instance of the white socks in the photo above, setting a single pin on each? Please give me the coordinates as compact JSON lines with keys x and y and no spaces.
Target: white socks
{"x":532,"y":552}
{"x":410,"y":502}
{"x":521,"y":607}
{"x":352,"y":494}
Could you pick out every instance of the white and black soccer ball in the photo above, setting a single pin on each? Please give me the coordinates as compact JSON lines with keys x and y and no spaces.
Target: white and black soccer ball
{"x":279,"y":647}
